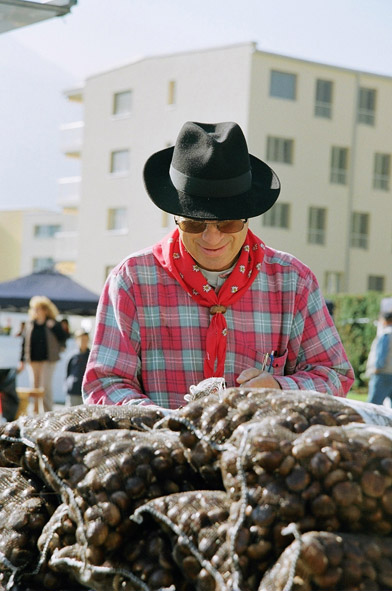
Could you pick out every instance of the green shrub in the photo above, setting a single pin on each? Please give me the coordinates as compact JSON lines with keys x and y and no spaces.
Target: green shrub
{"x":355,"y":318}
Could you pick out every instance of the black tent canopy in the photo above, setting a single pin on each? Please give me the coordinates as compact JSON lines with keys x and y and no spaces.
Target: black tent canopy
{"x":69,"y":296}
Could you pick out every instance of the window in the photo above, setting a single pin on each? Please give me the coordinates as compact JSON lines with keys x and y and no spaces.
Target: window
{"x":117,"y":218}
{"x":46,"y":230}
{"x":359,"y":230}
{"x":382,"y":171}
{"x":122,"y":102}
{"x":280,"y":150}
{"x":119,"y":161}
{"x":339,"y":165}
{"x":366,"y":106}
{"x":323,"y":103}
{"x":317,"y":221}
{"x":278,"y":216}
{"x":42,"y":263}
{"x":171,"y":92}
{"x":333,"y":282}
{"x":376,"y":283}
{"x":283,"y":85}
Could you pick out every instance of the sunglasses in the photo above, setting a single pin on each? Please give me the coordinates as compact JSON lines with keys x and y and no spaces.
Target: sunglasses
{"x":197,"y":227}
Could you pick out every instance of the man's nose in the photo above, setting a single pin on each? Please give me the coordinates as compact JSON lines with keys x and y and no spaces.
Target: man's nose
{"x":212,"y":233}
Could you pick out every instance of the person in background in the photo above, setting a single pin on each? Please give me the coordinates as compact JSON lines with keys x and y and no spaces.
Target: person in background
{"x":75,"y":370}
{"x":379,"y":363}
{"x":21,"y":329}
{"x":211,"y":299}
{"x":43,"y":340}
{"x":65,"y":326}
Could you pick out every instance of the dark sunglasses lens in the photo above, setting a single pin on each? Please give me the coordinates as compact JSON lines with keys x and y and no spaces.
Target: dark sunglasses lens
{"x":231,"y":226}
{"x":192,"y":226}
{"x":195,"y":227}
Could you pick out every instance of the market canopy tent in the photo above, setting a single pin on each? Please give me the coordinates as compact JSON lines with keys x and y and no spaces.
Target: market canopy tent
{"x":70,"y":297}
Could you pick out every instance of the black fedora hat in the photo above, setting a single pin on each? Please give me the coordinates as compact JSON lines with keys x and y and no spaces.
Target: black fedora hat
{"x":209,"y":174}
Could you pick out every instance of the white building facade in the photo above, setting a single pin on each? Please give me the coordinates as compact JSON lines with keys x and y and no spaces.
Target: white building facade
{"x":326,"y":131}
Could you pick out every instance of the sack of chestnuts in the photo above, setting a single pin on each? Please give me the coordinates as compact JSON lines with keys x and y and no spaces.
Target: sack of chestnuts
{"x":336,"y":479}
{"x":77,"y":419}
{"x":104,"y":476}
{"x":297,"y":410}
{"x":24,"y":511}
{"x":207,"y":423}
{"x":197,"y":523}
{"x":317,"y":561}
{"x":145,"y":564}
{"x":58,"y":532}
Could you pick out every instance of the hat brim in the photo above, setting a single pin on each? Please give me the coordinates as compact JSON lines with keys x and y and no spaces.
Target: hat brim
{"x":260,"y":198}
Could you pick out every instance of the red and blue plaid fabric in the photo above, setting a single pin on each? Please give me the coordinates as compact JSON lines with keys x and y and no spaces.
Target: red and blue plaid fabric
{"x":150,"y":337}
{"x":173,"y":256}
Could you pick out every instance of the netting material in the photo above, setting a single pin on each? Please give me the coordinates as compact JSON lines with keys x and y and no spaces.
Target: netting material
{"x":257,"y":452}
{"x":24,"y":510}
{"x":317,"y":561}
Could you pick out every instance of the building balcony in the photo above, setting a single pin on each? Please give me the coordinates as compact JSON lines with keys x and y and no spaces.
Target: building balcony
{"x":71,"y":139}
{"x":69,"y":192}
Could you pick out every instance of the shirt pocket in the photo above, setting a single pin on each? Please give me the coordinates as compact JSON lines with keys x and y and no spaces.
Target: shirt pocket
{"x":249,"y":357}
{"x":279,"y":364}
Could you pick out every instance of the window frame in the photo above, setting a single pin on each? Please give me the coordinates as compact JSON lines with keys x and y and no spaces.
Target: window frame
{"x":275,"y":88}
{"x":382,"y":171}
{"x":126,"y":111}
{"x":366,"y":110}
{"x":359,"y":237}
{"x":120,"y":171}
{"x":278,"y":216}
{"x":115,"y":214}
{"x":280,"y":149}
{"x":50,"y":231}
{"x":317,"y":225}
{"x":323,"y":108}
{"x":375,"y":279}
{"x":338,"y":174}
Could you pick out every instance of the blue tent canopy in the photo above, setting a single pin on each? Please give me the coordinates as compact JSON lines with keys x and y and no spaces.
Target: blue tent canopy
{"x":69,"y":296}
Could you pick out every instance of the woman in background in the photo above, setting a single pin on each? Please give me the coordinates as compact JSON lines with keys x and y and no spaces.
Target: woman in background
{"x":43,"y":340}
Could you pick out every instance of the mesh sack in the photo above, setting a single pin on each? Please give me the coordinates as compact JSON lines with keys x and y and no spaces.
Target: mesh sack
{"x":24,"y":510}
{"x":332,"y":479}
{"x":206,"y":423}
{"x":249,"y":467}
{"x":145,"y":563}
{"x":102,"y":477}
{"x":197,"y":523}
{"x":58,"y":532}
{"x":78,"y":419}
{"x":372,"y":414}
{"x":296,"y":410}
{"x":317,"y":561}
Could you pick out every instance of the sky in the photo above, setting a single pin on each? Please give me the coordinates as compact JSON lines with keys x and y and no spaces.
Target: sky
{"x":40,"y":61}
{"x":100,"y":34}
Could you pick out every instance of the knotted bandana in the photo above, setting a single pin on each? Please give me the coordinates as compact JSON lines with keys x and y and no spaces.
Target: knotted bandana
{"x":173,"y":256}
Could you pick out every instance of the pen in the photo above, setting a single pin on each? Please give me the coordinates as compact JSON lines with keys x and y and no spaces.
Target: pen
{"x":271,"y":360}
{"x":265,"y":361}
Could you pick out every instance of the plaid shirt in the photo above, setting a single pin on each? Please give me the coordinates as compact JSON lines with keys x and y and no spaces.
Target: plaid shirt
{"x":149,"y":342}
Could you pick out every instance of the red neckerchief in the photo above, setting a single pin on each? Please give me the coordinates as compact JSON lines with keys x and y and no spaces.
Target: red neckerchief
{"x":173,"y":256}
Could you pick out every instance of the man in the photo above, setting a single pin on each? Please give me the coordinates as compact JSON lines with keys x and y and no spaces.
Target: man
{"x":211,"y":299}
{"x":379,"y":364}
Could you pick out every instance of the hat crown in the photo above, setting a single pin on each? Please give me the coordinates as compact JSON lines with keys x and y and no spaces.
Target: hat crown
{"x":211,"y":151}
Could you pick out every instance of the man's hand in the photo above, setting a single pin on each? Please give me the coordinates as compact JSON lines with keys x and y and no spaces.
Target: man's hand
{"x":254,"y":378}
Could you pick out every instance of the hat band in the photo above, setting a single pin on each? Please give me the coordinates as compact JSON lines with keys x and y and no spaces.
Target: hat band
{"x":211,"y":187}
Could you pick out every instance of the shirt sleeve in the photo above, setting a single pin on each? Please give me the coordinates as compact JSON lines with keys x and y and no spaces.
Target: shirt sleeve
{"x":382,"y":349}
{"x":113,"y":370}
{"x":316,"y":357}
